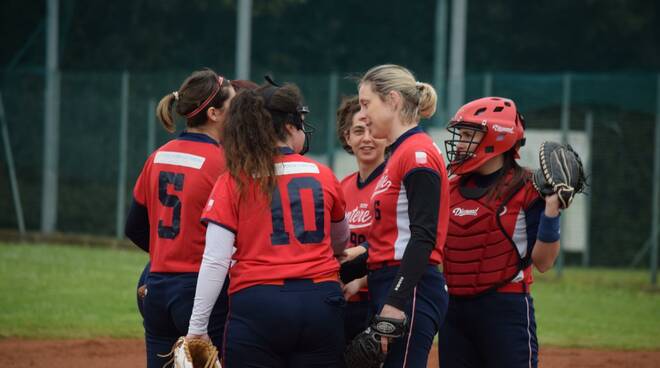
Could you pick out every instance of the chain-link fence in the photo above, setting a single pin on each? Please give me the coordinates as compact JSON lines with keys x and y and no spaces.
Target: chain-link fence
{"x":614,"y":114}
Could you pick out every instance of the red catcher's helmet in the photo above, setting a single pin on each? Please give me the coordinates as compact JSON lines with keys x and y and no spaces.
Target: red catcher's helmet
{"x":503,"y":128}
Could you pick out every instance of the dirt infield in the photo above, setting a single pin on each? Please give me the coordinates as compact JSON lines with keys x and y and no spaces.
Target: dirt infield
{"x":109,"y":353}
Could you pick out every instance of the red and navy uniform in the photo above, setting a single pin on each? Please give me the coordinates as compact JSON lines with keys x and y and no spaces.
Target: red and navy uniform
{"x":284,"y":295}
{"x":490,"y":321}
{"x":411,"y":205}
{"x":168,"y":199}
{"x":359,"y":216}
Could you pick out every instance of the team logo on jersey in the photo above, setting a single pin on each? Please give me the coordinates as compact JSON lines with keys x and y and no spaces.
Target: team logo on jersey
{"x":460,"y":212}
{"x":383,"y":184}
{"x":209,"y":205}
{"x":359,"y":217}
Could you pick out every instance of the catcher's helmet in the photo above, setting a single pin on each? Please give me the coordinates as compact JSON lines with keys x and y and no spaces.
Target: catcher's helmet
{"x":502,"y":126}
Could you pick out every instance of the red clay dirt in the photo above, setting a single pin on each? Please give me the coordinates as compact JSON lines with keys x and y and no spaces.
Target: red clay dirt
{"x":112,"y":353}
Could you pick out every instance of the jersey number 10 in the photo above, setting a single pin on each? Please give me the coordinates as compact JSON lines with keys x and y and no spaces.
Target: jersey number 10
{"x":280,"y":236}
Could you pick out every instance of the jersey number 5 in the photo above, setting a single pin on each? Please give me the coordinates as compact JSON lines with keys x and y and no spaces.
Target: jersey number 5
{"x":280,"y":236}
{"x":165,"y":178}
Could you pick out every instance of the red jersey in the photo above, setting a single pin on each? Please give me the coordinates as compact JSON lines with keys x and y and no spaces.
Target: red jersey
{"x":287,"y":237}
{"x":358,"y":212}
{"x":358,"y":198}
{"x":390,"y":230}
{"x":174,"y":185}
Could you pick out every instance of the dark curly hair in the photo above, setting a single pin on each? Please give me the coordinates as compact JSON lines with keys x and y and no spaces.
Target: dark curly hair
{"x":348,"y":108}
{"x":252,"y":131}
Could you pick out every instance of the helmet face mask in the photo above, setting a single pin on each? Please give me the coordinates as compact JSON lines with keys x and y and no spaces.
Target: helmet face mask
{"x":464,"y":142}
{"x":306,"y":127}
{"x":296,"y":118}
{"x":481,"y":130}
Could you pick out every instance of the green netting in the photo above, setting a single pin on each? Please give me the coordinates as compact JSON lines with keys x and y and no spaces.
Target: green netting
{"x":623,"y":107}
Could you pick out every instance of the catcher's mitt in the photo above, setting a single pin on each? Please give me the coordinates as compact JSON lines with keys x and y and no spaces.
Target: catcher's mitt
{"x":142,"y":292}
{"x":193,"y":353}
{"x":561,"y":172}
{"x":365,"y":350}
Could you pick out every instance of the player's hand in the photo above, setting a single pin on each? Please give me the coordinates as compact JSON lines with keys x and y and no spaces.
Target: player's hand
{"x":351,"y":253}
{"x":354,"y":287}
{"x":204,"y":337}
{"x":552,"y":205}
{"x":389,"y":312}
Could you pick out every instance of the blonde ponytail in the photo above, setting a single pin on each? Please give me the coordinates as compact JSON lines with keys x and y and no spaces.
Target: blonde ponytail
{"x":428,"y":99}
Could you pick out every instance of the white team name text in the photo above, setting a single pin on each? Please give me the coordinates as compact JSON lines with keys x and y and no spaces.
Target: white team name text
{"x":460,"y":212}
{"x":501,"y":129}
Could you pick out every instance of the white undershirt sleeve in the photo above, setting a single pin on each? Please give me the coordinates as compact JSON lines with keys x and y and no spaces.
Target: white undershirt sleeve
{"x":339,"y":235}
{"x":212,"y":273}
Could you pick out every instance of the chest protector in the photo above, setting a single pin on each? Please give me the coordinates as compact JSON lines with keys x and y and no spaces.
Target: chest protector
{"x":480,"y":253}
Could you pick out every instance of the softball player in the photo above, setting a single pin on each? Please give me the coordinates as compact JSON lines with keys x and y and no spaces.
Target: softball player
{"x":168,"y":199}
{"x":239,"y":85}
{"x":356,"y":138}
{"x":284,"y":214}
{"x":499,"y":227}
{"x":411,"y":205}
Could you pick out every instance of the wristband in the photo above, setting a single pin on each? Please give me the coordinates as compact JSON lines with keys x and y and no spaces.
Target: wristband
{"x":548,"y":229}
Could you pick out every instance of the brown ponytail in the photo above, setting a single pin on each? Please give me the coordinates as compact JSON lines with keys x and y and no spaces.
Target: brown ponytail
{"x":503,"y":187}
{"x":164,"y":112}
{"x":193,"y":93}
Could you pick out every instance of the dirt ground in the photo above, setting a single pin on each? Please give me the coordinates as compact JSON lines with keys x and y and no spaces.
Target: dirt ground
{"x":107,"y":353}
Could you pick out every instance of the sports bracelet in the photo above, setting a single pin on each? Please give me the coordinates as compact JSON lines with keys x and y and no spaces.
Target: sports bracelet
{"x":548,"y":229}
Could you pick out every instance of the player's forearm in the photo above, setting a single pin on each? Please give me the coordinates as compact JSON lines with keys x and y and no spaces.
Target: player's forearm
{"x":546,"y":247}
{"x":544,"y":255}
{"x":212,"y":275}
{"x":339,"y":235}
{"x":137,"y":225}
{"x":354,"y":269}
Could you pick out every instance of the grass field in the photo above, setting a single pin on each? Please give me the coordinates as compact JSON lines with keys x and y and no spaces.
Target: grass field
{"x":51,"y":291}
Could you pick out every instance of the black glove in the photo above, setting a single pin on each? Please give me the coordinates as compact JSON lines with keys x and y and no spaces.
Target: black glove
{"x":365,"y":350}
{"x":561,"y":172}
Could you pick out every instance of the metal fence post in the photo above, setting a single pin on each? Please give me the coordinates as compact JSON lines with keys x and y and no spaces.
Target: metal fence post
{"x":656,"y":191}
{"x":488,"y":84}
{"x":565,"y":128}
{"x":589,"y":129}
{"x":333,"y":87}
{"x":440,"y":60}
{"x":12,"y":170}
{"x":51,"y":147}
{"x":151,"y":126}
{"x":123,"y":144}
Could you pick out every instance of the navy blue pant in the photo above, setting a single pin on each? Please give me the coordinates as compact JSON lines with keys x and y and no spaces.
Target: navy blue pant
{"x":356,"y":319}
{"x":298,"y":324}
{"x":167,"y":309}
{"x":426,"y":312}
{"x":490,"y":331}
{"x":142,"y":281}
